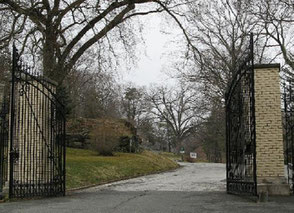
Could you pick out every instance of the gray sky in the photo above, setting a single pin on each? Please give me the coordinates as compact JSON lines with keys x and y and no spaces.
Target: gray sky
{"x":151,"y":64}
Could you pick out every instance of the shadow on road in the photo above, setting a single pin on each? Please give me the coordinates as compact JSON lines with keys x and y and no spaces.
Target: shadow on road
{"x":150,"y":201}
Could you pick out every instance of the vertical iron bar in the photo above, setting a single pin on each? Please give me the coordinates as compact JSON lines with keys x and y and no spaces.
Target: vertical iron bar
{"x":51,"y":149}
{"x":253,"y":112}
{"x":227,"y":142}
{"x":14,"y":64}
{"x":292,"y":133}
{"x":286,"y":130}
{"x":1,"y":152}
{"x":47,"y":185}
{"x":64,"y":149}
{"x":34,"y":132}
{"x":44,"y":153}
{"x":29,"y":132}
{"x":42,"y":144}
{"x":25,"y":135}
{"x":26,"y":145}
{"x":51,"y":141}
{"x":17,"y":132}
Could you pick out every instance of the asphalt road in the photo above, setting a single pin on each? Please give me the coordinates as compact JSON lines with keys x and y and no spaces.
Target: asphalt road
{"x":192,"y":188}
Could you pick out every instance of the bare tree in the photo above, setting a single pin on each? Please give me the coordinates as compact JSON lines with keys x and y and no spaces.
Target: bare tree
{"x":221,"y":31}
{"x":93,"y":95}
{"x":133,"y":104}
{"x":179,"y":108}
{"x":59,"y":32}
{"x":212,"y":134}
{"x":276,"y":18}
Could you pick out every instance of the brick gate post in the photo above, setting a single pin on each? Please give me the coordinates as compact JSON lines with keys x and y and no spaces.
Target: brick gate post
{"x":269,"y":133}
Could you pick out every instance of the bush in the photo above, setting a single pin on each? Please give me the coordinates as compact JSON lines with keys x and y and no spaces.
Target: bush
{"x":105,"y":137}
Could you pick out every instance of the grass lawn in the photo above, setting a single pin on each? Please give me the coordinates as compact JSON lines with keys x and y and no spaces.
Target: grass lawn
{"x":171,"y":155}
{"x":86,"y":167}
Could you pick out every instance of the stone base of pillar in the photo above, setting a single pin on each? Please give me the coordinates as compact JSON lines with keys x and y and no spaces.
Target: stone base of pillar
{"x":273,"y":186}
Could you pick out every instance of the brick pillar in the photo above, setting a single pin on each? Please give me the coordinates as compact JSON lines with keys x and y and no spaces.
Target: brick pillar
{"x":34,"y":137}
{"x":269,"y":132}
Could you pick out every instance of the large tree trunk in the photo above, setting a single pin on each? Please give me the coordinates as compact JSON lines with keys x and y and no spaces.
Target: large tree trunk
{"x":48,"y":59}
{"x":51,"y":69}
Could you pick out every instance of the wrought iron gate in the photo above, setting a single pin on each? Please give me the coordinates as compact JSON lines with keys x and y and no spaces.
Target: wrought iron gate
{"x":36,"y":135}
{"x":240,"y":129}
{"x":288,"y":122}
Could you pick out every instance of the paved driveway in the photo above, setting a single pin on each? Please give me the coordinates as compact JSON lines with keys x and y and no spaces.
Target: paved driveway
{"x":192,"y":188}
{"x":190,"y":177}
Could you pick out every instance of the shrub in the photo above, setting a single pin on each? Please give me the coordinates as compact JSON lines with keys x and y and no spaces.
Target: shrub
{"x":104,"y":138}
{"x":105,"y":135}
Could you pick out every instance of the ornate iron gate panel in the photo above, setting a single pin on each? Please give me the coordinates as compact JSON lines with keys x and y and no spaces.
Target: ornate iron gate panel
{"x":240,"y":129}
{"x":37,"y":135}
{"x":288,"y":122}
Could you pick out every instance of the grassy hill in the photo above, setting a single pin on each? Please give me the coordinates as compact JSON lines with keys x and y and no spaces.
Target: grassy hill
{"x":86,"y":167}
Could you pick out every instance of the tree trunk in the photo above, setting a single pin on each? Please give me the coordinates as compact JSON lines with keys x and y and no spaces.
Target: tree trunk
{"x":51,"y":69}
{"x":49,"y":60}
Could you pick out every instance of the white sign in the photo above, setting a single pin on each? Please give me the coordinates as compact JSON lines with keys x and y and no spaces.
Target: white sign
{"x":182,"y":151}
{"x":193,"y":155}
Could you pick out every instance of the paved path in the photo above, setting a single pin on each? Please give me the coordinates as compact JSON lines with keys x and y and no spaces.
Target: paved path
{"x":192,"y":188}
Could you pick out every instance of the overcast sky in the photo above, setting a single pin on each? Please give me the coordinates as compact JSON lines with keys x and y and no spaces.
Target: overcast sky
{"x":151,"y":65}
